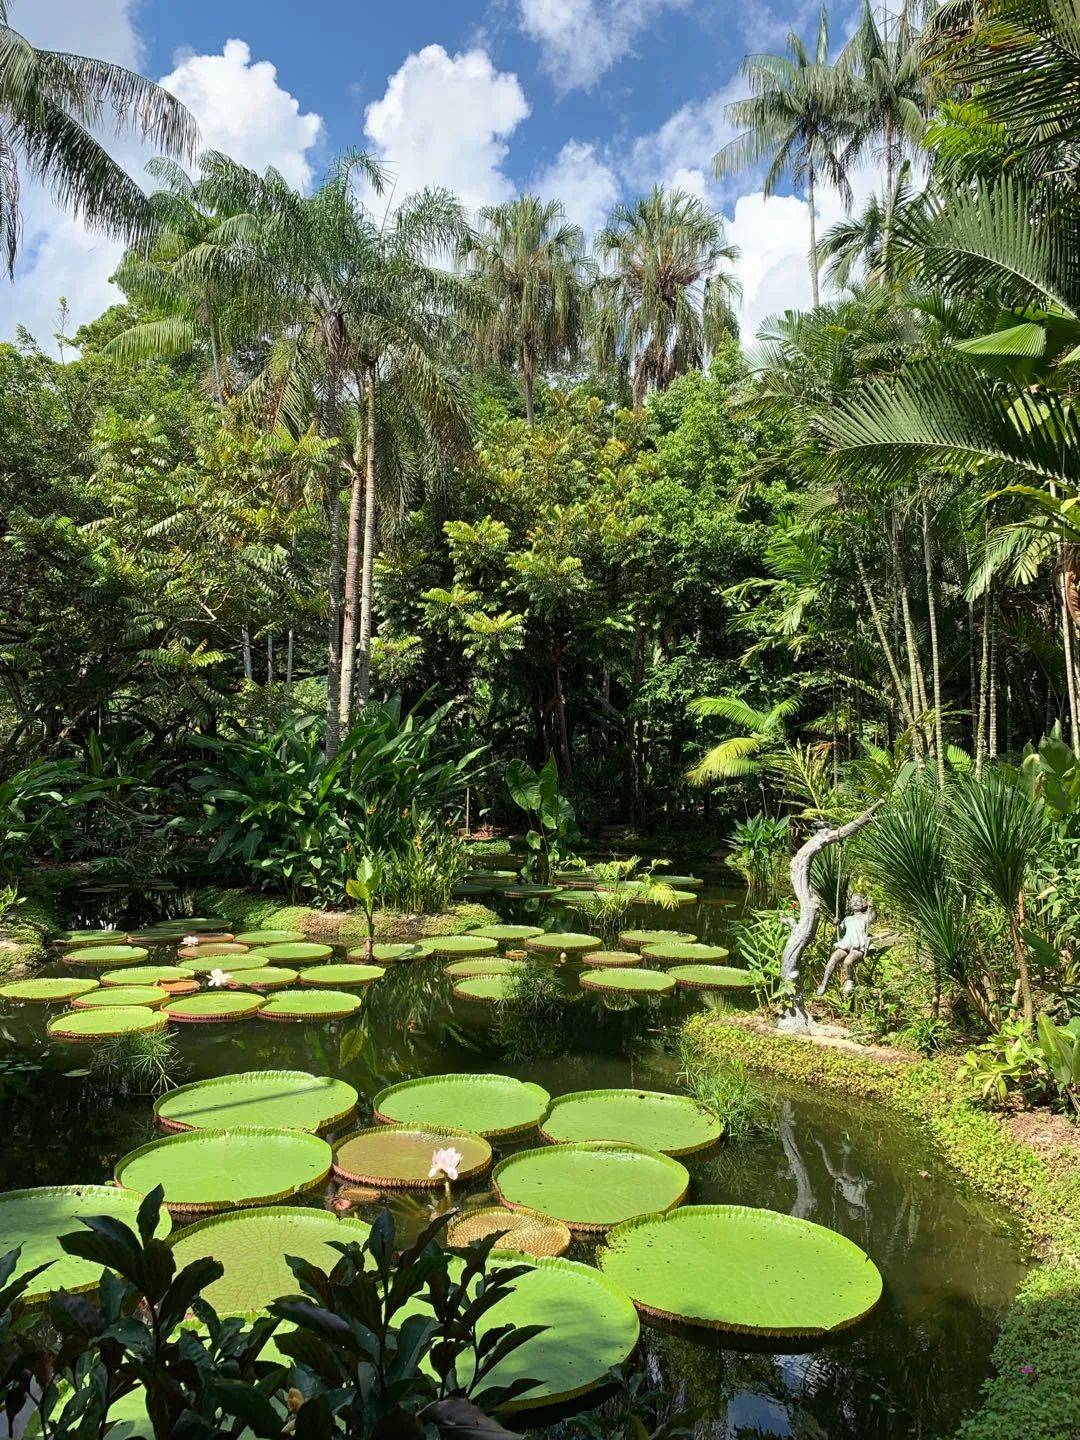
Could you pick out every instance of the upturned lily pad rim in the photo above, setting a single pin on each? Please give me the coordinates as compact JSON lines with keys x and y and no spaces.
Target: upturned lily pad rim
{"x":253,"y":960}
{"x":110,"y":1196}
{"x":264,"y":977}
{"x":105,"y":955}
{"x":102,"y":997}
{"x":711,"y":977}
{"x":482,"y":965}
{"x":46,"y":989}
{"x":270,"y":937}
{"x":770,"y":1220}
{"x":558,"y":1233}
{"x":529,"y":892}
{"x":211,"y":1136}
{"x":680,"y":882}
{"x":226,"y":948}
{"x":198,"y":1009}
{"x":344,"y":973}
{"x":313,"y":1004}
{"x":544,"y":1154}
{"x":523,"y":1090}
{"x":296,"y":951}
{"x":681,"y":1105}
{"x":104,"y":1024}
{"x":85,"y":939}
{"x":632,"y":939}
{"x":483,"y":989}
{"x":501,"y":933}
{"x":452,"y":946}
{"x":557,"y":941}
{"x":386,"y":952}
{"x":340,"y":1088}
{"x":674,"y":951}
{"x":628,"y":981}
{"x":610,"y":959}
{"x":141,"y":975}
{"x":434,"y":1135}
{"x":351,"y":1226}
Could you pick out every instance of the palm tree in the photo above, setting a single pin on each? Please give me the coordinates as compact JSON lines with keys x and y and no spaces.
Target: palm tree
{"x":50,"y":103}
{"x":798,"y":118}
{"x":890,"y":99}
{"x":865,"y":242}
{"x":531,"y":263}
{"x":663,"y":301}
{"x":746,"y":754}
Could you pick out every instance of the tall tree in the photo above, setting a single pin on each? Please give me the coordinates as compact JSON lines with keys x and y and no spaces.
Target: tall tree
{"x":890,"y":96}
{"x":663,"y":299}
{"x":799,"y":119}
{"x":50,"y":104}
{"x":531,"y":264}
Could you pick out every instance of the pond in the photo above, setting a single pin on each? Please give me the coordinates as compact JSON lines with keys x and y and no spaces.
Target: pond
{"x":950,"y":1262}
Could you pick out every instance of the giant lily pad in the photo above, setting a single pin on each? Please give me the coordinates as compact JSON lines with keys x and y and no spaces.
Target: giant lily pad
{"x":634,"y":939}
{"x":589,"y":1327}
{"x":104,"y":955}
{"x":471,"y":875}
{"x":270,"y":937}
{"x":591,"y":1186}
{"x":149,"y":995}
{"x":104,"y":1024}
{"x":400,"y":1157}
{"x":46,"y":990}
{"x":385,"y":952}
{"x":530,"y":892}
{"x":83,"y":939}
{"x":207,"y":951}
{"x":628,"y":982}
{"x":456,"y":945}
{"x":673,"y":953}
{"x":610,"y":959}
{"x":278,"y":1098}
{"x":680,"y":897}
{"x":300,"y":952}
{"x":252,"y":1246}
{"x":556,"y":942}
{"x":711,"y":977}
{"x":348,"y":977}
{"x":486,"y":1104}
{"x":37,"y":1219}
{"x":680,"y":882}
{"x":526,"y":1231}
{"x":730,"y":1267}
{"x":504,"y":933}
{"x":212,"y":1007}
{"x":310,"y":1005}
{"x":264,"y":977}
{"x":496,"y":965}
{"x":674,"y":1124}
{"x":231,"y":964}
{"x":217,"y":1169}
{"x":489,"y":989}
{"x":149,"y":974}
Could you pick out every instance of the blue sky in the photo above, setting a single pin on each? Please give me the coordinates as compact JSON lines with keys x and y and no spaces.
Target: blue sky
{"x":590,"y":100}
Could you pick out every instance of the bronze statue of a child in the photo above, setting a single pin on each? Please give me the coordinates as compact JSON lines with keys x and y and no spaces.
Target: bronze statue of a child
{"x":852,"y":943}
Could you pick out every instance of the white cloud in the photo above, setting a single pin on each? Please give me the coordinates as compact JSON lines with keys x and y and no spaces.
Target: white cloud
{"x":587,"y":186}
{"x":681,"y":150}
{"x":446,"y":120}
{"x":240,"y":108}
{"x":580,"y":40}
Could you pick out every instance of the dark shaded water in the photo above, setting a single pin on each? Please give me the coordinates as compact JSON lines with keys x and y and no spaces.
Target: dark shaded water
{"x":950,"y":1262}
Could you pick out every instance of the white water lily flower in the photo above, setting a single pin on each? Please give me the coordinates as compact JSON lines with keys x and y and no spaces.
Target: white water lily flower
{"x":190,"y":940}
{"x":217,"y":978}
{"x":445,"y":1162}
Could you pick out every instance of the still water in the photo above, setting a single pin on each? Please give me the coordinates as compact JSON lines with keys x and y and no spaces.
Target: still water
{"x":951,"y":1262}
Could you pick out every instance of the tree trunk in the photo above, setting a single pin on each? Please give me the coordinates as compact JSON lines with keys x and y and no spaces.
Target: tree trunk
{"x":289,"y":648}
{"x":352,"y":577}
{"x":883,"y":641}
{"x":910,"y":645}
{"x":333,"y":644}
{"x":1070,"y":670}
{"x":270,"y":657}
{"x":805,"y":927}
{"x":814,"y":289}
{"x":367,"y":579}
{"x":993,"y":734}
{"x":984,"y":671}
{"x":935,"y":656}
{"x":527,"y":381}
{"x":560,"y":718}
{"x":245,"y":640}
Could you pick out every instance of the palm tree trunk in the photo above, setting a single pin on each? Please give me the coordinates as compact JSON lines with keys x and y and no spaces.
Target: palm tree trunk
{"x":527,"y":381}
{"x":993,"y":740}
{"x":1070,"y":675}
{"x":935,"y":656}
{"x":917,"y":700}
{"x":883,"y":641}
{"x":367,"y":580}
{"x":270,"y":657}
{"x":245,"y":640}
{"x":289,"y":647}
{"x":984,"y":671}
{"x":333,"y":648}
{"x":814,"y":289}
{"x":215,"y":355}
{"x":560,"y":717}
{"x":352,"y":574}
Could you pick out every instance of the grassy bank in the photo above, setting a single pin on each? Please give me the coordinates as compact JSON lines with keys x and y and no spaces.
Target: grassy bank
{"x":1033,"y":1392}
{"x":251,"y":910}
{"x":25,"y":932}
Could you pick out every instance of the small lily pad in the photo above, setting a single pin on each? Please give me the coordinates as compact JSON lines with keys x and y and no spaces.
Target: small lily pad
{"x":46,"y":990}
{"x":488,"y":1105}
{"x":212,"y":1007}
{"x":290,"y":1099}
{"x":401,"y":1156}
{"x":347,"y":977}
{"x":310,"y":1005}
{"x":628,"y":982}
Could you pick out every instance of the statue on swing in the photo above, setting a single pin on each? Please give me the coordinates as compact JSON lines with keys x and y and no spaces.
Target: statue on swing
{"x":852,"y":944}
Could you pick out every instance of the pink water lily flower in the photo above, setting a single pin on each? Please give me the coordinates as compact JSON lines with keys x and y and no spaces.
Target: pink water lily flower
{"x":218,"y":978}
{"x":445,"y":1162}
